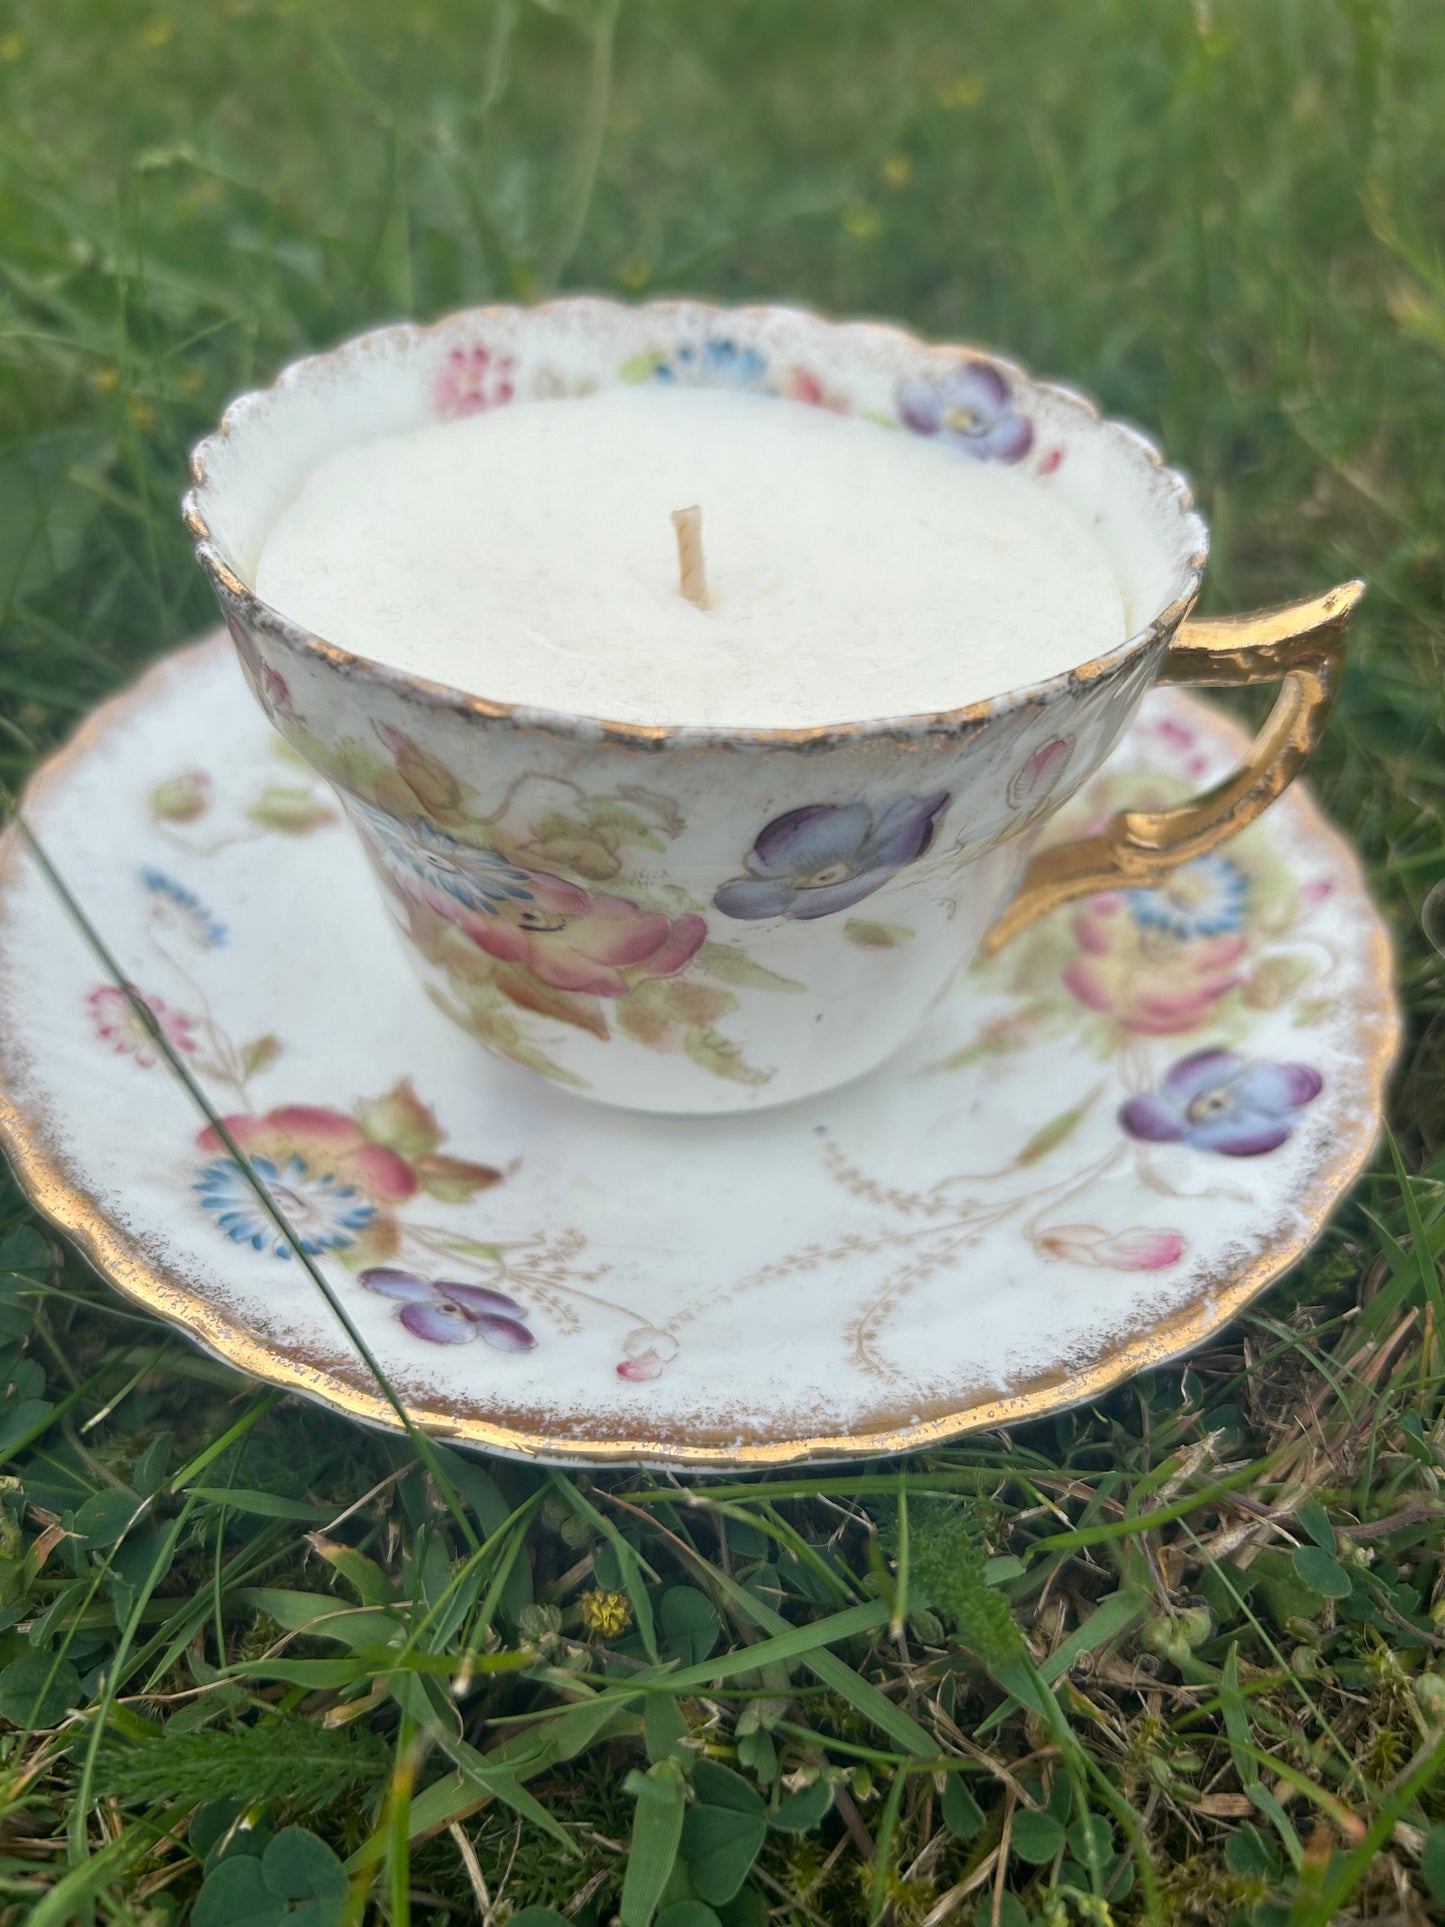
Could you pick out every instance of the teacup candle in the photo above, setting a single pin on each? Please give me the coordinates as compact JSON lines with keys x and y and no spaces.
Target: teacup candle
{"x":689,"y":555}
{"x":699,"y":681}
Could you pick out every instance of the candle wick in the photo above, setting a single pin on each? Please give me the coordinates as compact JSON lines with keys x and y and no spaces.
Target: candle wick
{"x":692,"y":576}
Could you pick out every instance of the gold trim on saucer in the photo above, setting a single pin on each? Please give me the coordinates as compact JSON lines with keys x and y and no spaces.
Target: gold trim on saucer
{"x":56,"y":1191}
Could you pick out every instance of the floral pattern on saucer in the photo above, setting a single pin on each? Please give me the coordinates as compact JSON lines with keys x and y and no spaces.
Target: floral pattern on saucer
{"x":1107,"y":1141}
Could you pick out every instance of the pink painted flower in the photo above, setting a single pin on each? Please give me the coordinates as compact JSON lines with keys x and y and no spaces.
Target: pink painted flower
{"x":338,"y":1180}
{"x":639,"y":1370}
{"x":646,"y":1354}
{"x":1137,"y":1249}
{"x":801,"y":384}
{"x":579,"y":940}
{"x":472,"y":379}
{"x":118,"y":1025}
{"x":270,"y":688}
{"x":1147,"y":978}
{"x":325,"y":1141}
{"x":1035,"y":780}
{"x":445,"y":1312}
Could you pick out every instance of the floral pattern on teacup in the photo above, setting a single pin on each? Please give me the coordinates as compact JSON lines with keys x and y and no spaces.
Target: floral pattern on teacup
{"x":971,"y":408}
{"x":473,"y":379}
{"x":825,"y":857}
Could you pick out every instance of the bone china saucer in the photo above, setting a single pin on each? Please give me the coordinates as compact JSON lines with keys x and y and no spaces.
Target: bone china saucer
{"x":1098,"y":1149}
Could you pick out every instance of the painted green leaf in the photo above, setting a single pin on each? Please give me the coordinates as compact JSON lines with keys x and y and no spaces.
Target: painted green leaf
{"x":616,"y":820}
{"x":260,"y":1054}
{"x":1049,"y":1136}
{"x":698,"y":1004}
{"x":646,"y":1015}
{"x":574,"y":1007}
{"x":495,"y":1026}
{"x":722,"y":1057}
{"x":399,"y":1120}
{"x":1274,"y":980}
{"x":295,"y":809}
{"x":181,"y":799}
{"x":733,"y":966}
{"x":876,"y":936}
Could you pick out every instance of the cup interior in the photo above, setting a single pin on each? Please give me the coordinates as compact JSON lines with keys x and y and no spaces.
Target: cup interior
{"x":398,"y":379}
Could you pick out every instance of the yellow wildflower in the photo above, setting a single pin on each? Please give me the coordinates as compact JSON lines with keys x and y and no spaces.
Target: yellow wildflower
{"x":962,"y":90}
{"x":607,"y":1614}
{"x":861,"y":222}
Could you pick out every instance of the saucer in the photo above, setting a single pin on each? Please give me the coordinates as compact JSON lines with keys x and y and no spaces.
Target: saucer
{"x":1099,"y":1147}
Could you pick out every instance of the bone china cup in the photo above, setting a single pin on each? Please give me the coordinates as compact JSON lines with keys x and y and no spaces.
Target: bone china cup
{"x":708,"y":919}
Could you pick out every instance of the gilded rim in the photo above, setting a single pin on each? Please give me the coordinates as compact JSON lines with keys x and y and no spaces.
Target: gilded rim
{"x":40,"y":1170}
{"x":232,"y":592}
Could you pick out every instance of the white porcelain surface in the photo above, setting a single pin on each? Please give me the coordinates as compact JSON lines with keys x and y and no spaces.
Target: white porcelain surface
{"x":1028,"y":1203}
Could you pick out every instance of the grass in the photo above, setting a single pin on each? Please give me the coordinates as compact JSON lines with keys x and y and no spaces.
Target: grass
{"x":1180,"y":1656}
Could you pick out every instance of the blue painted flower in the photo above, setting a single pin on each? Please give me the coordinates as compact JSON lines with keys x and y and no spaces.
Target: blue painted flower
{"x":1206,"y":898}
{"x":969,"y":406}
{"x":1218,"y":1101}
{"x":325,"y":1213}
{"x":435,"y":869}
{"x":825,"y":857}
{"x":176,"y":907}
{"x":716,"y":364}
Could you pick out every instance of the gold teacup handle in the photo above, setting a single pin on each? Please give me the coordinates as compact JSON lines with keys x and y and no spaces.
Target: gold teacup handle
{"x":1302,"y":644}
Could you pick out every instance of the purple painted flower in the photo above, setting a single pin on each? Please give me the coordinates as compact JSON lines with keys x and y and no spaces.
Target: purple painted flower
{"x":971,"y":407}
{"x":448,"y":1313}
{"x":1218,"y":1101}
{"x":825,"y":857}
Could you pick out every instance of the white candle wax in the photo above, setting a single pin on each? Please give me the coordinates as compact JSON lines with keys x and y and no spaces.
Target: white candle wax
{"x":528,"y":554}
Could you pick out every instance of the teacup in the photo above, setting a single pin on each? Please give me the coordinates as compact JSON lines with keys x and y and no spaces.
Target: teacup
{"x":697,"y":919}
